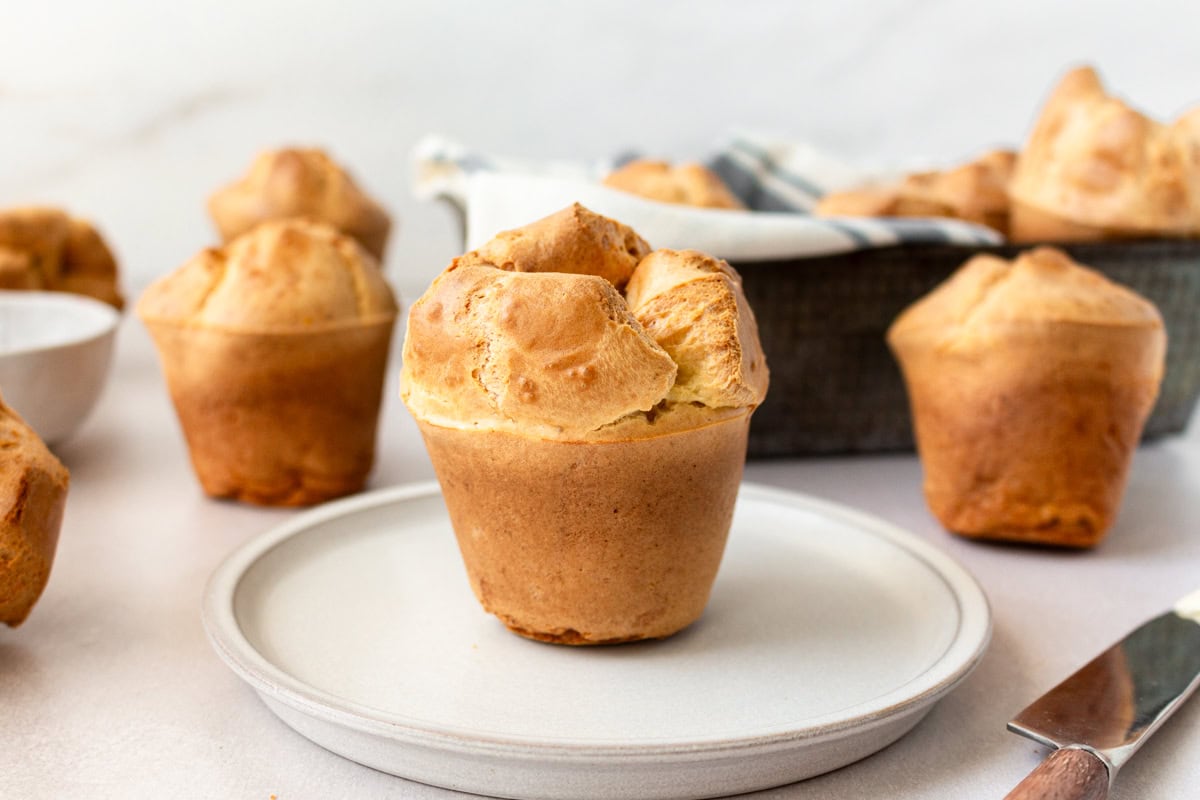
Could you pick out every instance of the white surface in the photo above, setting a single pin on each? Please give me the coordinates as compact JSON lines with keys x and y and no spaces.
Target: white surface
{"x":55,"y":351}
{"x":828,"y":634}
{"x":111,"y":690}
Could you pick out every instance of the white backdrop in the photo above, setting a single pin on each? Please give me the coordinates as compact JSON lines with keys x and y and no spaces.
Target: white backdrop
{"x":131,"y":112}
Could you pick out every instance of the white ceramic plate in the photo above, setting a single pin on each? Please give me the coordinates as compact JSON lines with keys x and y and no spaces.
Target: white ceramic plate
{"x":829,"y":634}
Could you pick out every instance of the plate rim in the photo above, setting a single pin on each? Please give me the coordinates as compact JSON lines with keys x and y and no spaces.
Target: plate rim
{"x":960,"y":657}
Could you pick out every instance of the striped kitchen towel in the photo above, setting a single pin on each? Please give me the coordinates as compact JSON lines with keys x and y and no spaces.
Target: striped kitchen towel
{"x":779,"y":182}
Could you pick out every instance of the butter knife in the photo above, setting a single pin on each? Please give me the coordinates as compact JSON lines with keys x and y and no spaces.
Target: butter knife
{"x":1099,"y":717}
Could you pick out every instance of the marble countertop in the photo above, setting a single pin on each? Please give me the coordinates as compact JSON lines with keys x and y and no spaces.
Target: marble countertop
{"x":111,"y":689}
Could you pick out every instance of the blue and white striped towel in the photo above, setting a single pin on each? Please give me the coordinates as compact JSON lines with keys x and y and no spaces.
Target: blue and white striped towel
{"x":778,"y":181}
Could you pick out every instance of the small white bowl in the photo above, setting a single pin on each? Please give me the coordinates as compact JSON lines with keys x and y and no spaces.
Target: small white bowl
{"x":55,"y":351}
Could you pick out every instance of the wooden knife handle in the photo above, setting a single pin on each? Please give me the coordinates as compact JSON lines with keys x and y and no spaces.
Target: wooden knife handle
{"x":1067,"y":774}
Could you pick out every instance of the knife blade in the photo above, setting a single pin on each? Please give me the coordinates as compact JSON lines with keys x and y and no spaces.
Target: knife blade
{"x":1098,"y":717}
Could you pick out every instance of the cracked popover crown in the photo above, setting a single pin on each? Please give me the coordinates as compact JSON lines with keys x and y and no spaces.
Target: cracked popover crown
{"x":531,"y":333}
{"x":1095,"y":168}
{"x":286,"y":275}
{"x":300,"y":182}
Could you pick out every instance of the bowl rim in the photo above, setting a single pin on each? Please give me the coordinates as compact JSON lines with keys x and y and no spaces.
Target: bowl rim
{"x":106,"y":317}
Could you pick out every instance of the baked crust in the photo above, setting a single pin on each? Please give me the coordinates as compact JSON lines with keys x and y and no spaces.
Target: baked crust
{"x":687,"y":184}
{"x":975,"y":192}
{"x":88,"y":265}
{"x":692,"y":305}
{"x":558,"y":353}
{"x":589,"y":446}
{"x":532,"y":345}
{"x":1188,"y":124}
{"x":593,"y":543}
{"x":574,"y":240}
{"x":46,"y":249}
{"x":16,"y":270}
{"x":300,"y":182}
{"x":279,"y":419}
{"x":285,"y":275}
{"x":274,"y":350}
{"x":33,"y":493}
{"x":1104,"y":169}
{"x":1042,"y":285}
{"x":1029,"y":384}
